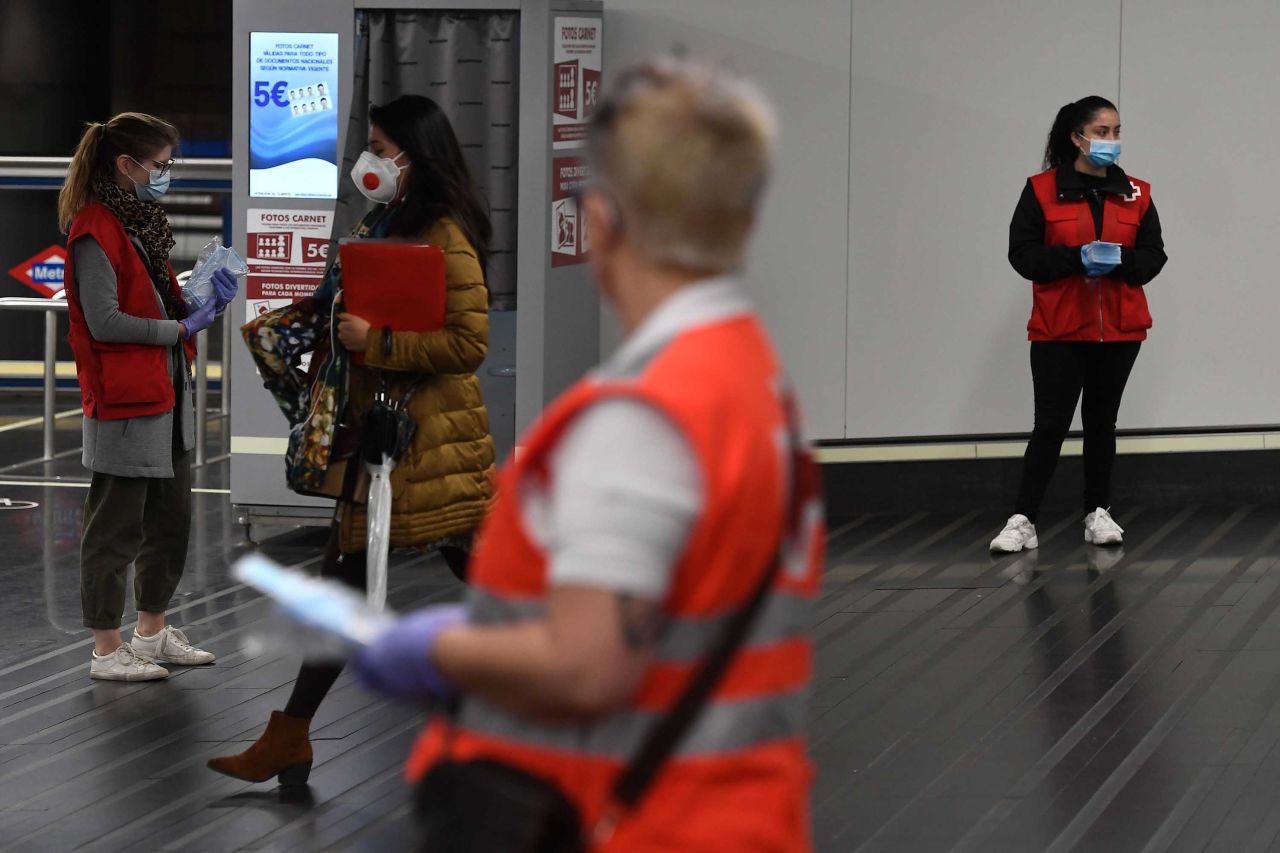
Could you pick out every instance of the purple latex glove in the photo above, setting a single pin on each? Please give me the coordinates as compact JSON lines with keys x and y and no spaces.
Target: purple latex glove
{"x":398,"y":663}
{"x":225,"y":286}
{"x":199,"y":319}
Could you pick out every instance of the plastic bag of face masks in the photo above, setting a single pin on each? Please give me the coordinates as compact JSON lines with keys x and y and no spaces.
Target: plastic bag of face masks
{"x":338,"y":620}
{"x":214,"y":256}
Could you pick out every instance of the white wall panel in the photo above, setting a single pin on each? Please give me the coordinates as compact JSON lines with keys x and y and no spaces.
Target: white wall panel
{"x":951,"y":103}
{"x":799,"y":53}
{"x":1201,"y":123}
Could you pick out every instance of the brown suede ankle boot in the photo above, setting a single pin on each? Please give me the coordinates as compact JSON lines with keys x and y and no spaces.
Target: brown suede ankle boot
{"x":284,"y":750}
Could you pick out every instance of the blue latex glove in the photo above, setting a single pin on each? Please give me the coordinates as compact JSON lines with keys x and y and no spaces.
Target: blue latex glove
{"x":398,"y":662}
{"x":1099,"y":258}
{"x":225,"y":285}
{"x":200,"y":319}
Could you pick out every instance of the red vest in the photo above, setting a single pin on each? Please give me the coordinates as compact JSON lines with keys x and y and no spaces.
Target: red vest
{"x":740,"y":779}
{"x":119,"y":380}
{"x":1077,"y":308}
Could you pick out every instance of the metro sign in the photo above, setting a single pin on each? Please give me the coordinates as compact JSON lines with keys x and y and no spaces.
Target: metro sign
{"x":43,"y":272}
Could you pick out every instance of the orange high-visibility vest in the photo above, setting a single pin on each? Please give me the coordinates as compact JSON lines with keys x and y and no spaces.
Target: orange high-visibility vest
{"x":740,"y":779}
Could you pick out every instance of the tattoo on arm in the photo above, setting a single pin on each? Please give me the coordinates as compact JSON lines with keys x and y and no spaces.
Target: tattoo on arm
{"x":641,"y":620}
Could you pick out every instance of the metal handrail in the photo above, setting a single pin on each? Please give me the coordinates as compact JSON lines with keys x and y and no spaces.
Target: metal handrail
{"x":209,"y":173}
{"x":51,"y":308}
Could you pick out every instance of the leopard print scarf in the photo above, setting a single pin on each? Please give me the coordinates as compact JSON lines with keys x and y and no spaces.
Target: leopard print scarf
{"x":146,"y":221}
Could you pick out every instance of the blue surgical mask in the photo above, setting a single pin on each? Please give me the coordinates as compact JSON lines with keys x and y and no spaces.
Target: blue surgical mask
{"x":1102,"y":152}
{"x":157,"y":185}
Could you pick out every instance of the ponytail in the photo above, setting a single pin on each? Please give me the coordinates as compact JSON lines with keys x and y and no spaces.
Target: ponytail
{"x":80,"y":175}
{"x":1071,"y":119}
{"x":134,"y":134}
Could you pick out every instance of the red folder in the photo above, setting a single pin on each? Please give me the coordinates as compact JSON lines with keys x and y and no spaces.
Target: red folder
{"x":400,"y":285}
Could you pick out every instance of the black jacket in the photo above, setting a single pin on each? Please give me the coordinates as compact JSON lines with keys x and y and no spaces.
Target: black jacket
{"x":1035,"y":261}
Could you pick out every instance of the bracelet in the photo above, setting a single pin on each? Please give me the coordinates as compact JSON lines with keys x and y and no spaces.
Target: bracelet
{"x":386,"y":341}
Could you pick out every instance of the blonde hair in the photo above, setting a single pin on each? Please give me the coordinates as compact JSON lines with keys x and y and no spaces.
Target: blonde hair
{"x":134,"y":134}
{"x":685,"y":149}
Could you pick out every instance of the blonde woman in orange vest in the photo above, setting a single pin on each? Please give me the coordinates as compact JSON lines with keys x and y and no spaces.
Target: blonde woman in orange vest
{"x":645,"y":510}
{"x":133,"y":340}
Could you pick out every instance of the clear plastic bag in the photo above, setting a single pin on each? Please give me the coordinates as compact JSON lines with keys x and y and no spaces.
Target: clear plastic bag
{"x":322,"y":605}
{"x":199,"y":287}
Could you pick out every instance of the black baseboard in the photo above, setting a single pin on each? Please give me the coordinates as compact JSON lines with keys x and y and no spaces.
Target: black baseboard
{"x":1157,"y":479}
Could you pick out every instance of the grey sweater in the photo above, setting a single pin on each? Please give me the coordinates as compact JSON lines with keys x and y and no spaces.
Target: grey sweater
{"x":131,"y":447}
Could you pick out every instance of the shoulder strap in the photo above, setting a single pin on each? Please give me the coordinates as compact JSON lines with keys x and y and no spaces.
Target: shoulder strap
{"x":671,"y":729}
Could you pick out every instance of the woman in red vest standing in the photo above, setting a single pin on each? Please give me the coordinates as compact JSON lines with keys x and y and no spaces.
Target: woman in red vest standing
{"x":1088,"y":238}
{"x":133,"y":340}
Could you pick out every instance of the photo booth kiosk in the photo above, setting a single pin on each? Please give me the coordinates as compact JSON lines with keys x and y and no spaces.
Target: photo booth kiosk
{"x":518,"y":80}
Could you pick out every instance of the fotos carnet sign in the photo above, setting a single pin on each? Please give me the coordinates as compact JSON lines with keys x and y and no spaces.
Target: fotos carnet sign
{"x":578,"y":75}
{"x":44,"y":271}
{"x":287,"y":251}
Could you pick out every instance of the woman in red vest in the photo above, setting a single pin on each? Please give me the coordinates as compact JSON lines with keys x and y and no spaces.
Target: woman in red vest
{"x":133,"y":340}
{"x":1088,"y":238}
{"x":649,"y":505}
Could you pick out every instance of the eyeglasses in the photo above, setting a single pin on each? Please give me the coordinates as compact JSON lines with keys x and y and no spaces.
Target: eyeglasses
{"x":163,"y":167}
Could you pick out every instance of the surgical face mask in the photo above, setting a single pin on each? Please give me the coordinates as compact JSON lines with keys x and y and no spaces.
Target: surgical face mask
{"x":1102,"y":152}
{"x":376,"y":177}
{"x":157,"y":184}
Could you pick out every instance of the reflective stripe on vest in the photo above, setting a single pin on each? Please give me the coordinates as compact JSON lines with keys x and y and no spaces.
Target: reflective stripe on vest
{"x":721,"y":727}
{"x":783,"y":616}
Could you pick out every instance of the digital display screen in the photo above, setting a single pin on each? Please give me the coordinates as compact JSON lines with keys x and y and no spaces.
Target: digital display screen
{"x":293,"y":115}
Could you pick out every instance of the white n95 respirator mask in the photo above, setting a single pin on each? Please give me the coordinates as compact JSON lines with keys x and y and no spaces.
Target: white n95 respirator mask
{"x":376,"y":177}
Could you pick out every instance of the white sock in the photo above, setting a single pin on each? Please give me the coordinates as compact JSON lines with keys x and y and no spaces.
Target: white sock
{"x":138,"y":635}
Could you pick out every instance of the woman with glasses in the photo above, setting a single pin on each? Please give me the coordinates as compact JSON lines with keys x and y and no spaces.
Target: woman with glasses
{"x":133,"y":339}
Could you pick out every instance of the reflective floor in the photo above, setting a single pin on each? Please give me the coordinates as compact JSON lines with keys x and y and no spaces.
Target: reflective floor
{"x":106,"y":766}
{"x":1070,"y":699}
{"x":1066,"y":699}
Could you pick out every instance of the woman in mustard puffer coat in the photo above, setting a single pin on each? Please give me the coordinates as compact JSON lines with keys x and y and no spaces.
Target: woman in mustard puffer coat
{"x":442,"y":485}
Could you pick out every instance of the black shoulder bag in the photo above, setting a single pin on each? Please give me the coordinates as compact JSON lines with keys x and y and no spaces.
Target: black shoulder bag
{"x":487,"y":806}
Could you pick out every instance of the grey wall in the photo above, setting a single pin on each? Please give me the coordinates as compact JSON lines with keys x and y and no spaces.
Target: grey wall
{"x":1199,"y":89}
{"x":909,"y":129}
{"x":799,"y":52}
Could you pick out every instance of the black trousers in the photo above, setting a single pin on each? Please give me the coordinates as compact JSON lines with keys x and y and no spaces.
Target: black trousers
{"x":315,"y":680}
{"x":1061,"y":371}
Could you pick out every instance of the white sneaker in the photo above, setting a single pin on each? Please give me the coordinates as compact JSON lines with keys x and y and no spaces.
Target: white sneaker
{"x":1101,"y":529}
{"x":170,"y":646}
{"x":1018,"y":534}
{"x":124,"y":664}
